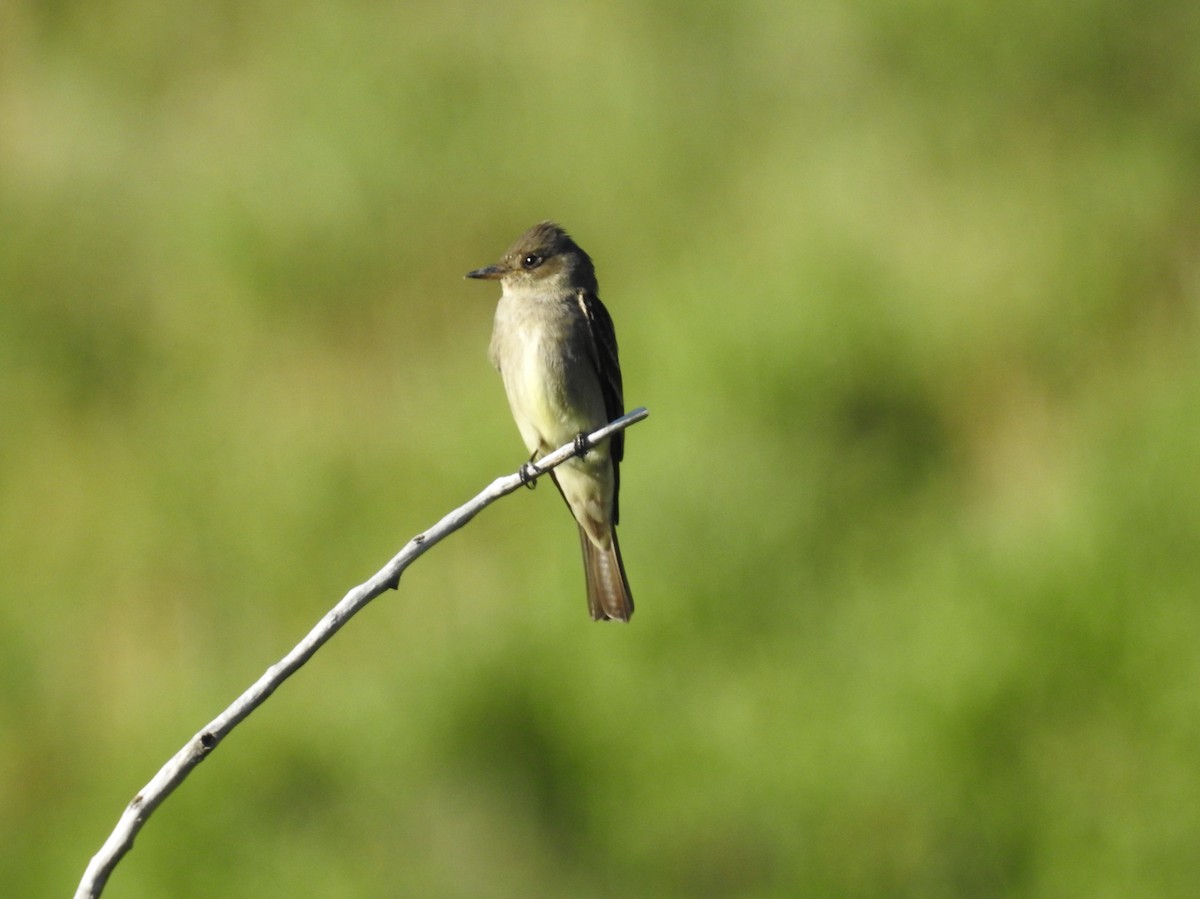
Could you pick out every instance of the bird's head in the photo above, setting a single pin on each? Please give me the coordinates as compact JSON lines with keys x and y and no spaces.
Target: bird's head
{"x":544,"y":258}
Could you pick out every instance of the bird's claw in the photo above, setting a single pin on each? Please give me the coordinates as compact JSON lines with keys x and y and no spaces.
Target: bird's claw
{"x":582,"y":444}
{"x":528,"y":473}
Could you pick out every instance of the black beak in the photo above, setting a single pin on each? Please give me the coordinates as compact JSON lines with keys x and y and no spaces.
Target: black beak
{"x":488,"y":273}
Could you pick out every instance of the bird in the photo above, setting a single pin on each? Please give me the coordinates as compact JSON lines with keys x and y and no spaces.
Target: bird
{"x":554,"y":345}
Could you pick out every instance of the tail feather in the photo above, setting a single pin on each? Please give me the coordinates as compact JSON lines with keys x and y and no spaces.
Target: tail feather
{"x":607,"y":588}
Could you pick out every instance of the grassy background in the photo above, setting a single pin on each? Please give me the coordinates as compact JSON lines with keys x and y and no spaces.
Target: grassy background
{"x":913,"y":294}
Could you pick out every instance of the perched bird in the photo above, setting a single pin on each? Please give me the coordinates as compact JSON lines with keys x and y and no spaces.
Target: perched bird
{"x":554,"y":346}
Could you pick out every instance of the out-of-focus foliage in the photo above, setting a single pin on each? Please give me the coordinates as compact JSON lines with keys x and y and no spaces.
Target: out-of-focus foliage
{"x":911,"y":291}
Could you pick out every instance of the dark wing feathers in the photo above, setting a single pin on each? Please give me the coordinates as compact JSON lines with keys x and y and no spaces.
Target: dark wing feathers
{"x":604,"y":340}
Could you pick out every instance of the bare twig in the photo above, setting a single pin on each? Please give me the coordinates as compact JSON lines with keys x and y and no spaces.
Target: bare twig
{"x":199,"y":746}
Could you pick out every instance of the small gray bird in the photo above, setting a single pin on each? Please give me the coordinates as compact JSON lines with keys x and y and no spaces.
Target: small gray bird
{"x":554,"y":345}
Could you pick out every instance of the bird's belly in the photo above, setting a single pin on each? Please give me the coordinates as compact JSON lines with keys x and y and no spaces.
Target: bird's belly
{"x":538,"y":394}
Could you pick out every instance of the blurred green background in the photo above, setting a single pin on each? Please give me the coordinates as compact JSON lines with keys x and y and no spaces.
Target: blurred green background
{"x":911,"y":291}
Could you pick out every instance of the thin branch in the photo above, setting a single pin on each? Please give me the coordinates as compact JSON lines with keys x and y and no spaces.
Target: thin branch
{"x":172,"y":774}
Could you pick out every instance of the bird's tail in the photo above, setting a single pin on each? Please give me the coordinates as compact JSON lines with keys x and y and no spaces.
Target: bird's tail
{"x":607,"y":589}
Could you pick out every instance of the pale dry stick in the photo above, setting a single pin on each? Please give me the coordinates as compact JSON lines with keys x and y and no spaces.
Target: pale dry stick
{"x":199,"y":746}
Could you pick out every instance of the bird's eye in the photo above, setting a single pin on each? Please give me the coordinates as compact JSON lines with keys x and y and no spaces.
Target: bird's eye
{"x":531,"y":260}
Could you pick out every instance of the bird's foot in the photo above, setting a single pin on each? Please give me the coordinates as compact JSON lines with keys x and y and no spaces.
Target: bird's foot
{"x":528,"y":473}
{"x":582,"y":444}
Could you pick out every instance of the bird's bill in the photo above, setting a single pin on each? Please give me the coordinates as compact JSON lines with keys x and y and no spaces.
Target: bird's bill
{"x":488,"y":273}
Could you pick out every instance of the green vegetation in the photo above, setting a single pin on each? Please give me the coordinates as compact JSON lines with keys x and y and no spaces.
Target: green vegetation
{"x":912,"y":292}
